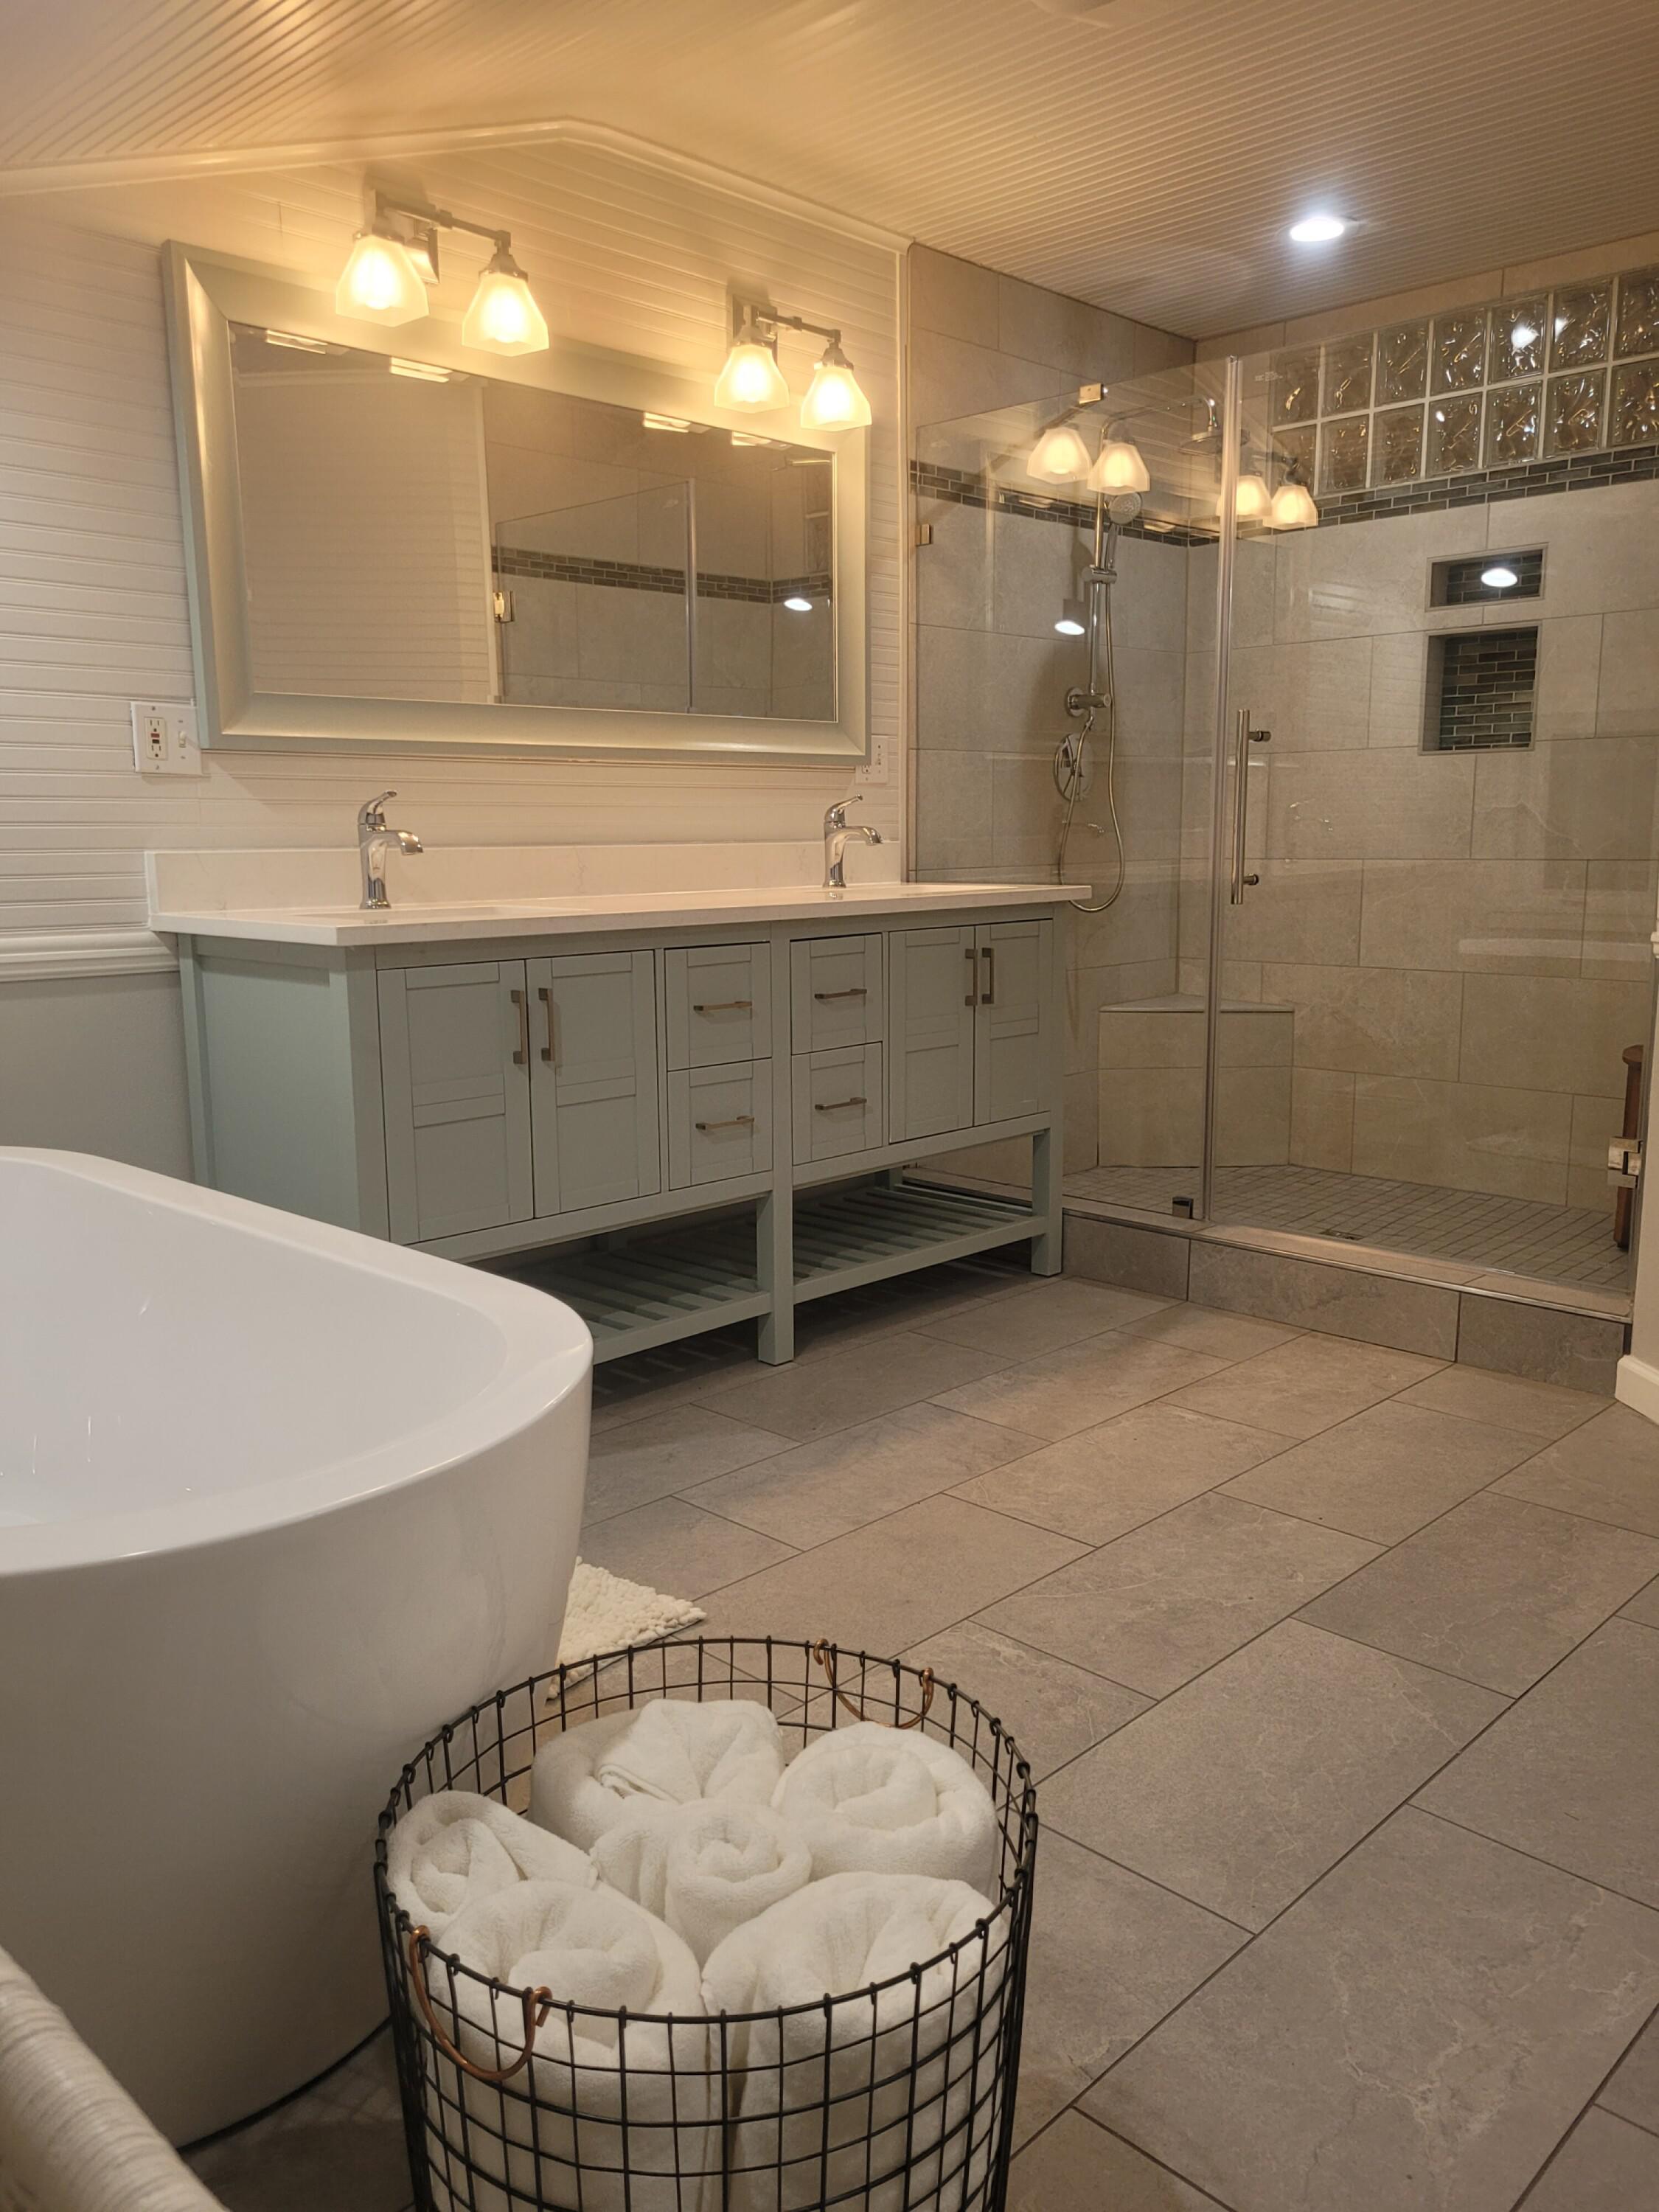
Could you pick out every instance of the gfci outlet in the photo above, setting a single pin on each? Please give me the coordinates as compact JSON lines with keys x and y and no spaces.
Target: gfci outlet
{"x":164,"y":738}
{"x":875,"y":769}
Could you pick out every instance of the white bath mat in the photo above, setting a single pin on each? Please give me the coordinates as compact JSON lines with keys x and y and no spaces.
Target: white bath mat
{"x":604,"y":1613}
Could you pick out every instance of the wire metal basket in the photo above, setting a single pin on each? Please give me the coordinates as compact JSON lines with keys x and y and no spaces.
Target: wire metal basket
{"x":898,"y":2098}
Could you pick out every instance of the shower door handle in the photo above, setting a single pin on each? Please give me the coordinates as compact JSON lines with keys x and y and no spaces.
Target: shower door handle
{"x":1243,"y":738}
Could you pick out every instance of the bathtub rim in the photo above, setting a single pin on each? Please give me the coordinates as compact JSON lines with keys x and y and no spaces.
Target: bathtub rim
{"x":547,"y":1357}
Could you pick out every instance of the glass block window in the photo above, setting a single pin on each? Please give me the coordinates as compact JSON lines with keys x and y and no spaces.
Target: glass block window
{"x":1454,"y":435}
{"x":1458,"y":357}
{"x":1638,"y":313}
{"x":1635,"y":404}
{"x":1573,"y":421}
{"x":1342,"y":449}
{"x":1481,"y":683}
{"x":1348,"y":374}
{"x":1520,"y":329}
{"x":1397,"y":446}
{"x":1515,"y":422}
{"x":1295,"y":387}
{"x":1581,"y":324}
{"x":1402,"y":363}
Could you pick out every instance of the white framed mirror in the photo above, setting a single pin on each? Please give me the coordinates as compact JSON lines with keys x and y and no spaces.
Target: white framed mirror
{"x":400,"y":542}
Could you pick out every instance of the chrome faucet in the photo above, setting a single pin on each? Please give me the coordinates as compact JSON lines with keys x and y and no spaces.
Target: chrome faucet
{"x":836,"y":835}
{"x":373,"y":839}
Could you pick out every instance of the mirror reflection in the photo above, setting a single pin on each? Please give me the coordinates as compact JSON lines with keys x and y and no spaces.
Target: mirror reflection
{"x":417,"y":532}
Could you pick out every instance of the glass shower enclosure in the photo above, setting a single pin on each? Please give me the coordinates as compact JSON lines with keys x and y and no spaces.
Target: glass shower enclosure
{"x":1348,"y":737}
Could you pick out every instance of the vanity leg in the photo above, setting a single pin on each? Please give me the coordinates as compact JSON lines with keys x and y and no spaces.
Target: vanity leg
{"x":1047,"y":1200}
{"x":775,"y":1236}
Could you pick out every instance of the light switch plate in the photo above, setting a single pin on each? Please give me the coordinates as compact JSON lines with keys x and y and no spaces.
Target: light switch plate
{"x":164,"y":738}
{"x":874,"y":770}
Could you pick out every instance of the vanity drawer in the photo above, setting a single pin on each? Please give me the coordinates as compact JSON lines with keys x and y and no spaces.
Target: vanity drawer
{"x":720,"y":1004}
{"x":837,"y":1101}
{"x":836,"y":992}
{"x":720,"y":1123}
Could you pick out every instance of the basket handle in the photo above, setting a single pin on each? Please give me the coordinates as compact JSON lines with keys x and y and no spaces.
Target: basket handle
{"x":823,"y":1652}
{"x":538,"y":2003}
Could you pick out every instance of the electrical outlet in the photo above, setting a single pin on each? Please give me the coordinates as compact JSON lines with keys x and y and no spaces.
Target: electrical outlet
{"x":875,"y":769}
{"x":164,"y":738}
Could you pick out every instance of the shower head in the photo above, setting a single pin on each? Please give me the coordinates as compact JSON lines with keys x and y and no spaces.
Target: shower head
{"x":1123,"y":506}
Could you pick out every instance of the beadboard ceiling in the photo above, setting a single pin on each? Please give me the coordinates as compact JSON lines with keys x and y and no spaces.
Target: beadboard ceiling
{"x":1145,"y":155}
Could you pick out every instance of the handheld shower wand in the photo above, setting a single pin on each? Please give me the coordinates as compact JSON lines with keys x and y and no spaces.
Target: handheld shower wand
{"x":1097,"y":696}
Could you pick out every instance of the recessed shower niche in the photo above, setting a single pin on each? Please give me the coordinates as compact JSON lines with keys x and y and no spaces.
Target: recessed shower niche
{"x":1480,"y":689}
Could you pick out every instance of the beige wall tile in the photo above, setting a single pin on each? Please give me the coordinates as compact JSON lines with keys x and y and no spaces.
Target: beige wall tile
{"x":1377,"y":1021}
{"x":1139,"y":924}
{"x":1467,"y":1136}
{"x":955,"y":298}
{"x":1082,"y":1144}
{"x":1301,"y":910}
{"x":1038,"y":565}
{"x":1503,"y":916}
{"x":1595,"y":1123}
{"x":1618,"y":919}
{"x":1398,"y":694}
{"x":1363,"y":582}
{"x":1155,"y":350}
{"x":1256,"y":1039}
{"x":954,"y":574}
{"x":1150,"y":1117}
{"x":1589,"y":798}
{"x":1382,"y":805}
{"x":1568,"y":671}
{"x":1321,"y":1118}
{"x":1253,"y":1117}
{"x":1627,"y":703}
{"x":1160,"y":1038}
{"x":953,"y":810}
{"x":1588,"y":261}
{"x":1082,"y":341}
{"x":1314,"y":696}
{"x":1395,"y":306}
{"x":1545,"y":1033}
{"x":950,"y":377}
{"x":1600,"y":554}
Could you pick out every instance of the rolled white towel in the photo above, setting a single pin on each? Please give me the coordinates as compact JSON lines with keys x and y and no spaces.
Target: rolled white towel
{"x":637,"y":2100}
{"x":669,"y":1751}
{"x":874,"y":1799}
{"x":453,"y":1846}
{"x":704,"y":1867}
{"x":907,"y":2082}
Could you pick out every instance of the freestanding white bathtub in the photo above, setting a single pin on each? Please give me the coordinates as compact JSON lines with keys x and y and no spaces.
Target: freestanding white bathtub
{"x":275,"y":1502}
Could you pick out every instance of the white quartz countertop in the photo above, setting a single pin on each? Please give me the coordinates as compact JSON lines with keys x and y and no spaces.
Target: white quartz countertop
{"x":197,"y":895}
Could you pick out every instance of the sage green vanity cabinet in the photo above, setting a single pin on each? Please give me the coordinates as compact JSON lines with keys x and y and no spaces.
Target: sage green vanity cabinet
{"x":671,"y":1128}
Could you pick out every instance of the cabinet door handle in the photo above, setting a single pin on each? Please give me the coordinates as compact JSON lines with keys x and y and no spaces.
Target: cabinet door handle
{"x":550,"y":1049}
{"x":987,"y":996}
{"x":971,"y":998}
{"x":737,"y":1122}
{"x":521,"y":1057}
{"x":724,"y":1006}
{"x":857,"y":991}
{"x":836,"y":1105}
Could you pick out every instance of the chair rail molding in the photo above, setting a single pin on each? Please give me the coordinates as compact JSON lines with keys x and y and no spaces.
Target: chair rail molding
{"x":32,"y":956}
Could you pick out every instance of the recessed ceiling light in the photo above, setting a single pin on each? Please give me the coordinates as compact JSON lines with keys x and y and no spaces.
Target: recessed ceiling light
{"x":1498,"y":578}
{"x":1318,"y":229}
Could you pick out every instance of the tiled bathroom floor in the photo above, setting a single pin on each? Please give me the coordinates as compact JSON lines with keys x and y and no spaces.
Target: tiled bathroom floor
{"x":1550,"y":1243}
{"x":1338,"y":1670}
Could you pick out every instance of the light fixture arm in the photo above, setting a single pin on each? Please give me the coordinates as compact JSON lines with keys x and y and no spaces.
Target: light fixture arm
{"x":431,"y":220}
{"x":767,"y":321}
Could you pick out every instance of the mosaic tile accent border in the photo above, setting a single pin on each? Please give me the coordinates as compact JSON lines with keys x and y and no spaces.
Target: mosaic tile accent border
{"x":644,"y":576}
{"x":971,"y":487}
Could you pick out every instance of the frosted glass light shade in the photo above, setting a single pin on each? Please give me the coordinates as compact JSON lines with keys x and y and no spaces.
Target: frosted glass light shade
{"x":752,"y":377}
{"x":1120,"y":466}
{"x":503,"y":317}
{"x":1293,"y":508}
{"x":1252,"y":501}
{"x":834,"y":400}
{"x":379,"y":282}
{"x":1059,"y":456}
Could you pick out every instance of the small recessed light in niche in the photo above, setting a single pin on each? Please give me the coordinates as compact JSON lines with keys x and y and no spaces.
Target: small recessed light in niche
{"x":796,"y":605}
{"x":1318,"y":229}
{"x":1498,"y":578}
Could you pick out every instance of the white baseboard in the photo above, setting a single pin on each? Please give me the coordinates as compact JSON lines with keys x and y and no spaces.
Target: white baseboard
{"x":51,"y":954}
{"x":1638,"y":1386}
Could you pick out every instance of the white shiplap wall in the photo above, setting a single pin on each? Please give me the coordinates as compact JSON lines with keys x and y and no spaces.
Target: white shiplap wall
{"x":627,"y":253}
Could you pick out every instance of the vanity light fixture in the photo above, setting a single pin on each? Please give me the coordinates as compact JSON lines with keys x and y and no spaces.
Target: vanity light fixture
{"x":1499,"y":577}
{"x":1060,"y":455}
{"x":752,"y":377}
{"x":379,"y":282}
{"x":1252,"y":501}
{"x":1119,"y":466}
{"x":393,"y":260}
{"x":1293,"y":505}
{"x":1320,"y":229}
{"x":1071,"y":620}
{"x":503,"y":317}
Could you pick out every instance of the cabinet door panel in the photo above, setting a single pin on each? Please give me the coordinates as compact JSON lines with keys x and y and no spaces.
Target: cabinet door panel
{"x":1012,"y":1042}
{"x":932,"y":993}
{"x":457,"y":1099}
{"x":593,"y":1080}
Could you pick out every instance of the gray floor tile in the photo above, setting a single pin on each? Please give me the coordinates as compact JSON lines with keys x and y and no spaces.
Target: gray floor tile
{"x":1076,"y":2167}
{"x":1053,"y":1711}
{"x":674,"y":1546}
{"x":1572,"y":1772}
{"x":1604,"y":2165}
{"x":1645,"y":1606}
{"x":1104,"y":1482}
{"x":339,"y":2148}
{"x":1059,"y":1312}
{"x":660,"y":1453}
{"x":1544,"y":1410}
{"x":1633,"y":2092}
{"x":1307,"y":1385}
{"x":1080,"y":1387}
{"x":906,"y":1303}
{"x":1496,"y":1590}
{"x":1110,"y":1955}
{"x":816,"y":1397}
{"x":1241,"y":1789}
{"x":1203,"y":1328}
{"x":1163,"y":1603}
{"x":814,"y":1492}
{"x":1606,"y":1469}
{"x":1414,"y":2035}
{"x":1385,"y":1472}
{"x":868,"y":1592}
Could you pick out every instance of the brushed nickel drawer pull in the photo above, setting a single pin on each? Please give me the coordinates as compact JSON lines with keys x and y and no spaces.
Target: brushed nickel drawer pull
{"x":834,"y":1105}
{"x":724,"y":1006}
{"x":858,"y":991}
{"x":737,"y":1122}
{"x":551,"y":1047}
{"x":987,"y":996}
{"x":521,"y":1057}
{"x":972,"y":958}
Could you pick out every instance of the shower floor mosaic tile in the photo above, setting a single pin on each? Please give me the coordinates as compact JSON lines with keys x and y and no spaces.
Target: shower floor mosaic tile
{"x":1338,"y":1669}
{"x":1548,"y":1244}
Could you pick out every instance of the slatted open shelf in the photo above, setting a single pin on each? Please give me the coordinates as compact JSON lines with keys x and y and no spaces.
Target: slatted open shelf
{"x":850,"y":1236}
